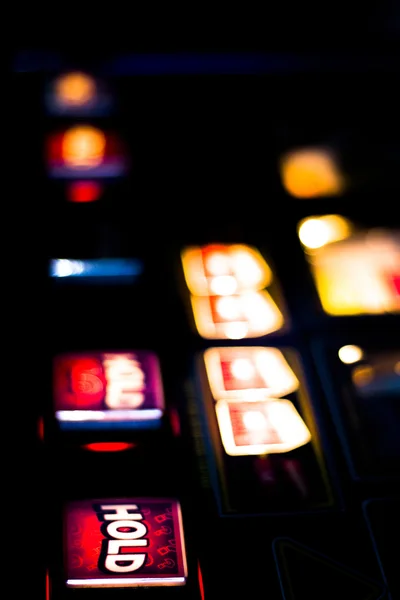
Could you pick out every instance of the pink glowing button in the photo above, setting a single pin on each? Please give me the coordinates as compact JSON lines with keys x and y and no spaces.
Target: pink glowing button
{"x":128,"y":542}
{"x":108,"y":390}
{"x":248,"y":373}
{"x":267,"y":427}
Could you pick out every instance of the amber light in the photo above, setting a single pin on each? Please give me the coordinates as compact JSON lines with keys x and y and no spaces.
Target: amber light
{"x":221,"y":270}
{"x":248,"y":373}
{"x":75,"y":89}
{"x":311,"y":173}
{"x":83,"y":146}
{"x":109,"y":446}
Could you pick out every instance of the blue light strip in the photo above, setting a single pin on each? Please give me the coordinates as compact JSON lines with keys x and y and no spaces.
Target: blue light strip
{"x":102,"y":268}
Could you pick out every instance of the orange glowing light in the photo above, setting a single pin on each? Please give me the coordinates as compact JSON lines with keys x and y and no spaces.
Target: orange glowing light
{"x":84,"y":191}
{"x":263,"y":427}
{"x":248,"y":373}
{"x":108,"y":446}
{"x":221,"y":270}
{"x":75,"y":90}
{"x":311,"y":173}
{"x":250,"y":314}
{"x":83,"y":146}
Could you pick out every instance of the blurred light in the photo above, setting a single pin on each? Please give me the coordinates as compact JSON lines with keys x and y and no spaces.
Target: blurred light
{"x":311,"y":173}
{"x":75,"y":89}
{"x":113,"y":388}
{"x":224,"y":269}
{"x":380,"y":378}
{"x":254,"y":428}
{"x":77,"y":94}
{"x":355,"y":276}
{"x":248,"y":373}
{"x":108,"y":446}
{"x":362,"y":375}
{"x":96,"y":270}
{"x":350,"y":354}
{"x":84,"y":191}
{"x":250,"y":314}
{"x":83,"y":146}
{"x":315,"y":232}
{"x":85,"y":151}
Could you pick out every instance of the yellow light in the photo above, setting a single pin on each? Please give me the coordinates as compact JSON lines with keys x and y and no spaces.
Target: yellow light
{"x":255,"y":428}
{"x":397,"y":368}
{"x":355,"y":276}
{"x":83,"y":146}
{"x":350,"y":354}
{"x":75,"y":89}
{"x":311,"y":173}
{"x":248,"y":373}
{"x":246,"y":315}
{"x":316,"y":232}
{"x":224,"y":269}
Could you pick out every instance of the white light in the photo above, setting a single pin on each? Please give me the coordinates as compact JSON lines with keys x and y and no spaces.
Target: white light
{"x":242,"y":368}
{"x":217,"y":263}
{"x":65,"y":268}
{"x":254,"y":420}
{"x":350,"y":354}
{"x":236,"y":331}
{"x":228,"y":307}
{"x":223,"y":285}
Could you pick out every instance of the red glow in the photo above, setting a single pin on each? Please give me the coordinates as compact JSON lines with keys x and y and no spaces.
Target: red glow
{"x":47,"y":586}
{"x":175,"y":422}
{"x":40,"y":429}
{"x":200,"y":578}
{"x":109,"y":446}
{"x":84,"y":191}
{"x":396,"y":283}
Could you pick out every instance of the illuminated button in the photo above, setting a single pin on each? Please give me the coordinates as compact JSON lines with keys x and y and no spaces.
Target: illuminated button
{"x":108,"y":390}
{"x":84,"y":151}
{"x":221,"y":270}
{"x":267,"y":427}
{"x":133,"y":542}
{"x":315,"y":232}
{"x":250,"y":314}
{"x":311,"y":173}
{"x":355,"y":276}
{"x":248,"y":373}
